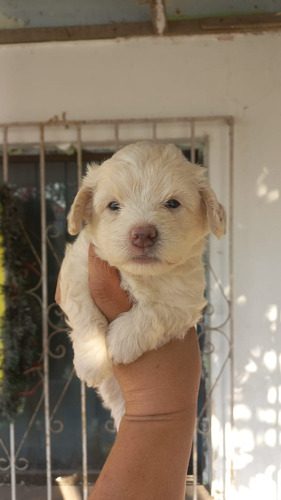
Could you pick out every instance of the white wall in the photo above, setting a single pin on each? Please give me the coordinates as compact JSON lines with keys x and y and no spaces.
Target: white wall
{"x":234,"y":75}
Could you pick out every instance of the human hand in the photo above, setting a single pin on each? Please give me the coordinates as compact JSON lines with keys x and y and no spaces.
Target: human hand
{"x":159,"y":382}
{"x":160,"y":390}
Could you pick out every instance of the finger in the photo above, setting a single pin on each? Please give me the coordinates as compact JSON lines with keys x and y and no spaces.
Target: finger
{"x":105,"y":288}
{"x":102,"y":277}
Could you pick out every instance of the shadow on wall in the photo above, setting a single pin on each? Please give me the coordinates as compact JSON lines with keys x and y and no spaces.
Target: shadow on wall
{"x":258,"y":427}
{"x":262,"y":189}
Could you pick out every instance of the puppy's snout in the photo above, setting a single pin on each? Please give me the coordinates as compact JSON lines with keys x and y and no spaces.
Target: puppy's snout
{"x":143,"y":236}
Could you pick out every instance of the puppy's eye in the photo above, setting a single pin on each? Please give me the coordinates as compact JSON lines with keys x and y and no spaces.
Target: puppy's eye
{"x":114,"y":206}
{"x":172,"y":204}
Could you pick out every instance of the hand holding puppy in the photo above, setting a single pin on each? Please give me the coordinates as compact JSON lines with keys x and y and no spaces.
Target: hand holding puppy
{"x":160,"y":390}
{"x":154,"y":371}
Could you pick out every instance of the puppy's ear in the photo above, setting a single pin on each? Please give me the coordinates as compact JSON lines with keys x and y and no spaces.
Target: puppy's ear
{"x":81,"y":209}
{"x":215,"y":211}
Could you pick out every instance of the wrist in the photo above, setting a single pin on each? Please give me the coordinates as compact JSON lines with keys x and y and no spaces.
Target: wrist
{"x":162,"y":383}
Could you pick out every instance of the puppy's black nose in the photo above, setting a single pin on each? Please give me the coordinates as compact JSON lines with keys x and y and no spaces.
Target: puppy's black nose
{"x":143,"y":236}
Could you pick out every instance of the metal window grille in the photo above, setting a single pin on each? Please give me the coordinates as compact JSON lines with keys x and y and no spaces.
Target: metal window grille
{"x":73,"y":142}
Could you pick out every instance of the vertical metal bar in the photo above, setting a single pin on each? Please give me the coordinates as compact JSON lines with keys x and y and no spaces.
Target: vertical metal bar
{"x":83,"y":386}
{"x":84,"y":441}
{"x":194,"y":460}
{"x":79,"y":156}
{"x":154,"y":131}
{"x":116,"y":135}
{"x":13,"y":462}
{"x":45,"y":314}
{"x":231,"y":325}
{"x":5,"y":154}
{"x":12,"y":426}
{"x":192,"y":141}
{"x":195,"y":441}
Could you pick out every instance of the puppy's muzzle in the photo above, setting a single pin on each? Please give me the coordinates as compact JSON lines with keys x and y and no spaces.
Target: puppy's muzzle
{"x":143,"y":236}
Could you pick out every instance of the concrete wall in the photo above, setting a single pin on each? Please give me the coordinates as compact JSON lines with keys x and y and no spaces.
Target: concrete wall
{"x":231,"y":75}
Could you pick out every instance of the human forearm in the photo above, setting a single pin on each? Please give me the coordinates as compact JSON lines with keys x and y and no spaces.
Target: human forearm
{"x":148,"y":461}
{"x":150,"y":456}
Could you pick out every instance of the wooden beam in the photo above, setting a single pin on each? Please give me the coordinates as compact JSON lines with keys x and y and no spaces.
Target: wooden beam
{"x":248,"y":23}
{"x":256,"y":23}
{"x":71,"y":33}
{"x":243,"y":22}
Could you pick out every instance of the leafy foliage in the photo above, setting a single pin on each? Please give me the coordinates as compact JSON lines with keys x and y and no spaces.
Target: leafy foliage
{"x":19,"y":323}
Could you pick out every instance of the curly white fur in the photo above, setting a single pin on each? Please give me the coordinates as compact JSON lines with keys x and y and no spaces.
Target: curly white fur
{"x":162,"y":272}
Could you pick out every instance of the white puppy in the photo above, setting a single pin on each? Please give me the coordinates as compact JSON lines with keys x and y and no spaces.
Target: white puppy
{"x":147,"y":211}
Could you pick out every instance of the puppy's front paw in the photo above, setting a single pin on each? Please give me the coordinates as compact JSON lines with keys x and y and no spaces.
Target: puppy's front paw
{"x":122,"y":340}
{"x":91,"y":361}
{"x":120,"y":351}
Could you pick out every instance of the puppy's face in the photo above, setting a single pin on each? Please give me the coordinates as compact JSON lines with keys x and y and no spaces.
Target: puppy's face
{"x":146,"y":208}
